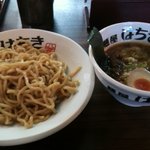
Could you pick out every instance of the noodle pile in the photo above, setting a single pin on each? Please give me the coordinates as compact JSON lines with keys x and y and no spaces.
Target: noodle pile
{"x":32,"y":83}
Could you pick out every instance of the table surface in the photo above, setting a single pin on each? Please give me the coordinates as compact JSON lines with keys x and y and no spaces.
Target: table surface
{"x":105,"y":124}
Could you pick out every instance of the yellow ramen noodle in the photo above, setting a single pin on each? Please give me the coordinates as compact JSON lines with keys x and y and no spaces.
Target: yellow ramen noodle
{"x":32,"y":83}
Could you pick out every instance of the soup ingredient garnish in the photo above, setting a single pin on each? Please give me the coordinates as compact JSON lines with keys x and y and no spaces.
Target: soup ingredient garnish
{"x":126,"y":57}
{"x":96,"y":42}
{"x":140,"y":79}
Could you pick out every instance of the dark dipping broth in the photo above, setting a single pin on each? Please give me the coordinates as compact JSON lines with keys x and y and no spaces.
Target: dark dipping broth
{"x":127,"y":56}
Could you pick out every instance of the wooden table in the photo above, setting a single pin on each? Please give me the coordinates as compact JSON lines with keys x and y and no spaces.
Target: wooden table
{"x":107,"y":12}
{"x":104,"y":124}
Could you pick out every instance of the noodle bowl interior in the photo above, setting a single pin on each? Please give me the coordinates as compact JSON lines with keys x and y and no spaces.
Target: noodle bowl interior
{"x":32,"y":83}
{"x":130,"y":64}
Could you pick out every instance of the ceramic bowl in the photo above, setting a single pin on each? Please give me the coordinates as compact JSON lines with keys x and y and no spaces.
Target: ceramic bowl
{"x":122,"y":32}
{"x":73,"y":55}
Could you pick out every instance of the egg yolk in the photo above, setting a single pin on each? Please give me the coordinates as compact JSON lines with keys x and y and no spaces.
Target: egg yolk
{"x":142,"y":84}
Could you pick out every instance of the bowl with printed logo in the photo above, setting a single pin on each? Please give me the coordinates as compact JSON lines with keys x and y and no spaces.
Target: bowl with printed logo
{"x":125,"y":72}
{"x":44,"y":87}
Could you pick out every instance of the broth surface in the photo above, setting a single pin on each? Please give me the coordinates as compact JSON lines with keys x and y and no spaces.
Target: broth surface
{"x":127,"y":56}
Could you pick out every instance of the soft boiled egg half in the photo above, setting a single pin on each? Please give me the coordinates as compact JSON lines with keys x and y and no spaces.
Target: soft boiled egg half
{"x":139,"y":78}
